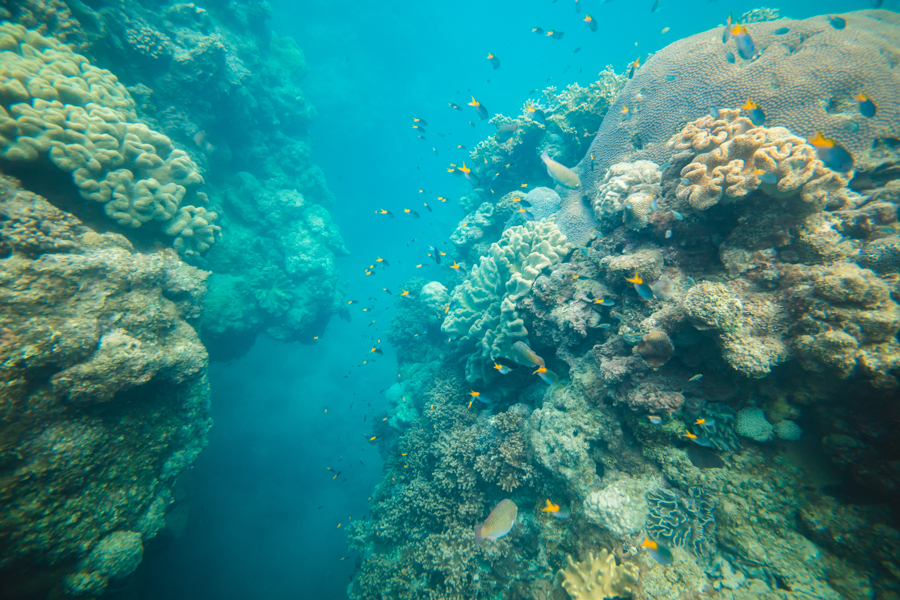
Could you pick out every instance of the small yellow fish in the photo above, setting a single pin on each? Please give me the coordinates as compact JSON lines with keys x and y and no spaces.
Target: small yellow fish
{"x":455,"y":266}
{"x":699,"y":421}
{"x":689,"y":435}
{"x":696,"y":377}
{"x":339,"y":525}
{"x":470,"y":404}
{"x":372,"y":439}
{"x":550,"y":507}
{"x":418,"y":266}
{"x":474,"y":394}
{"x":635,"y":280}
{"x":405,"y":293}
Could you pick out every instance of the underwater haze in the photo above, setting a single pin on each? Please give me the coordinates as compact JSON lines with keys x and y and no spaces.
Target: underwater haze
{"x":495,"y":300}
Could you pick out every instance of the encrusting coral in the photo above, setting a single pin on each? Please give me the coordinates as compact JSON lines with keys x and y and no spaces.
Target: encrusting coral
{"x":104,"y":376}
{"x":54,"y":103}
{"x":484,"y":320}
{"x":598,"y":577}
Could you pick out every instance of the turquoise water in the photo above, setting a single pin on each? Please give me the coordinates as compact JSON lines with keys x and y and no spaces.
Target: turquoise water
{"x":372,"y":68}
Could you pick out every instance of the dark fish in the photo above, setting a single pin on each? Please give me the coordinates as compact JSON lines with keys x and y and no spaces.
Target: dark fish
{"x":576,"y":50}
{"x":730,"y":57}
{"x":726,"y":35}
{"x":837,"y":22}
{"x":506,"y":131}
{"x":634,"y":66}
{"x":435,"y":254}
{"x":537,"y":30}
{"x":755,"y":113}
{"x":419,"y":127}
{"x":745,"y":46}
{"x":494,"y":61}
{"x":867,"y":108}
{"x":830,"y":152}
{"x":422,"y":137}
{"x":592,"y":22}
{"x":420,"y":121}
{"x":471,"y":123}
{"x":556,"y":35}
{"x":428,"y":207}
{"x":877,"y":3}
{"x":456,"y":106}
{"x":411,"y":212}
{"x":655,"y":6}
{"x":577,"y":6}
{"x":781,"y":31}
{"x":660,"y":553}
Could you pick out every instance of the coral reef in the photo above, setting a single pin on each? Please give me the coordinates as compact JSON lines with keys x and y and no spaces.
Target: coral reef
{"x":627,"y":189}
{"x":621,"y":506}
{"x":598,"y":577}
{"x":771,"y":159}
{"x":683,"y":521}
{"x":102,"y":374}
{"x":56,"y":104}
{"x":812,"y":60}
{"x":751,"y":423}
{"x":484,"y":320}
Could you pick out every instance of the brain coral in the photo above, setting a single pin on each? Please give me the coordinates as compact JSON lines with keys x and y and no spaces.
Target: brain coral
{"x":752,"y":423}
{"x":484,"y":319}
{"x":804,"y":81}
{"x":54,"y":103}
{"x":624,"y":188}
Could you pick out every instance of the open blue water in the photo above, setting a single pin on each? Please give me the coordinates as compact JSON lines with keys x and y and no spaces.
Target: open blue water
{"x":265,"y":507}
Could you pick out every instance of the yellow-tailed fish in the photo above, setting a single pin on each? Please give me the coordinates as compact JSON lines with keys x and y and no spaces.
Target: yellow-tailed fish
{"x":634,"y":66}
{"x":455,"y":266}
{"x":502,"y":368}
{"x":660,"y":553}
{"x":835,"y":156}
{"x":556,"y":511}
{"x":548,"y":376}
{"x":479,"y":108}
{"x":745,"y":46}
{"x":640,"y":287}
{"x":592,"y":22}
{"x":756,"y":114}
{"x":562,"y":175}
{"x":499,"y":523}
{"x":867,"y":108}
{"x":494,"y":61}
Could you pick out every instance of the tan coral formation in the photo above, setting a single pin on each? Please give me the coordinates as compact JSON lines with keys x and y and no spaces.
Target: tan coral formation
{"x":735,"y":161}
{"x":54,"y":103}
{"x":598,"y":577}
{"x":484,"y":318}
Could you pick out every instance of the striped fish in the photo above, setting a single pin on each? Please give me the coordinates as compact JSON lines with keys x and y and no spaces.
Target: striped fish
{"x":498,"y":523}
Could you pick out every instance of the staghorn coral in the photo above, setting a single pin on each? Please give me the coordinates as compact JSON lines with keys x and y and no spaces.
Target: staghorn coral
{"x":503,"y":460}
{"x":484,"y":320}
{"x":55,"y":103}
{"x":104,"y":376}
{"x":683,"y":521}
{"x":598,"y":577}
{"x":736,"y":167}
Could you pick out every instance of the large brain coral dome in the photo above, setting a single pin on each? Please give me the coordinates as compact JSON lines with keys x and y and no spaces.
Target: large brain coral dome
{"x":55,"y":104}
{"x":804,"y":80}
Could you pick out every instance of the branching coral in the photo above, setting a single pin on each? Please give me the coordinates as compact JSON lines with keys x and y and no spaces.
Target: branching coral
{"x":503,"y":459}
{"x":484,"y":320}
{"x":598,"y":577}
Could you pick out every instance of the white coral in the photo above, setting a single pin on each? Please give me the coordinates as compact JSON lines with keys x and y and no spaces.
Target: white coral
{"x":626,"y":188}
{"x":621,"y":506}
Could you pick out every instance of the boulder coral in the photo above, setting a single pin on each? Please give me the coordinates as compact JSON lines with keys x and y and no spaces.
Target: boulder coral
{"x":626,"y":190}
{"x":102,"y":374}
{"x":484,"y":320}
{"x":54,"y":103}
{"x":809,"y":59}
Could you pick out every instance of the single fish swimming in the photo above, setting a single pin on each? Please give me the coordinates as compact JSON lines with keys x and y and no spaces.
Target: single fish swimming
{"x":560,"y":174}
{"x":499,"y":523}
